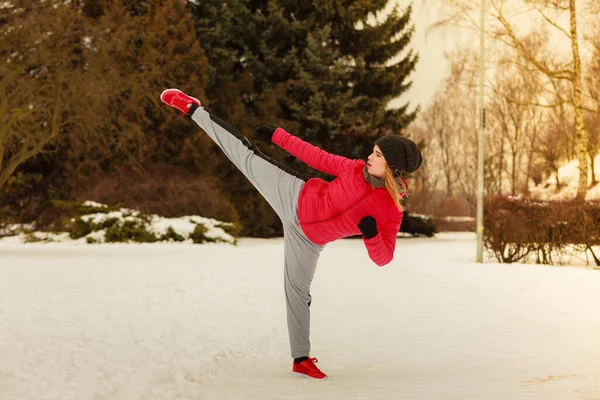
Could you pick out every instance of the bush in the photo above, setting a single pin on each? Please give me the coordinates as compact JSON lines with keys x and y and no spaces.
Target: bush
{"x":417,"y":225}
{"x":439,"y":205}
{"x":230,"y":228}
{"x":80,"y":228}
{"x":129,"y":231}
{"x":163,"y":190}
{"x":84,"y":208}
{"x":126,"y":225}
{"x":199,"y":234}
{"x":516,"y":230}
{"x":172,"y":235}
{"x":455,"y":224}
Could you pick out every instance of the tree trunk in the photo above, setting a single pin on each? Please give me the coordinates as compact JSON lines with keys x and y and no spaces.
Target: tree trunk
{"x":592,"y":166}
{"x":449,"y":189}
{"x":500,"y":166}
{"x":513,"y":173}
{"x":529,"y":166}
{"x":581,"y":132}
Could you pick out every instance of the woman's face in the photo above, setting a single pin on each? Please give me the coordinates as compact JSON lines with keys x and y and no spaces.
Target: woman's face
{"x":376,"y":163}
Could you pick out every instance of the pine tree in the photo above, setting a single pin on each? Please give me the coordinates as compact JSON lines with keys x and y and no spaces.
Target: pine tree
{"x":308,"y":67}
{"x":310,"y":51}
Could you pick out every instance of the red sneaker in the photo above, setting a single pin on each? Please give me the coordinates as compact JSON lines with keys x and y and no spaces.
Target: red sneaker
{"x":308,"y":368}
{"x":176,"y":98}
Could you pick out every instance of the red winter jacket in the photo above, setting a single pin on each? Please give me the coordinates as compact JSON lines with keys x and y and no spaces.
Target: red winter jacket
{"x":328,"y":211}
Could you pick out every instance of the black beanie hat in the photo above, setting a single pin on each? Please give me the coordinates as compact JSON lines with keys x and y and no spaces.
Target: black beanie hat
{"x":401,"y":154}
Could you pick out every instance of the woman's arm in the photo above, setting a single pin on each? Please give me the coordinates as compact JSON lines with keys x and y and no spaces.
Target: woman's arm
{"x":311,"y":155}
{"x":381,"y":247}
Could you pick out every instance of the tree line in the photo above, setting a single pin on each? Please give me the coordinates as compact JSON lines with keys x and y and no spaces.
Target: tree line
{"x":542,"y":99}
{"x":81,"y":117}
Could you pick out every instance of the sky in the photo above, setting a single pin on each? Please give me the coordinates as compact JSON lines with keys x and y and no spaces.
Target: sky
{"x":433,"y":67}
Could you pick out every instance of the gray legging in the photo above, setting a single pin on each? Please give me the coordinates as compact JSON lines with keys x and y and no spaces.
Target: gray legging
{"x":281,"y":188}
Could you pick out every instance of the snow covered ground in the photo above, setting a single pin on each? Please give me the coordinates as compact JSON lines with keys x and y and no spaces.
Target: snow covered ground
{"x":182,"y":321}
{"x":569,"y":177}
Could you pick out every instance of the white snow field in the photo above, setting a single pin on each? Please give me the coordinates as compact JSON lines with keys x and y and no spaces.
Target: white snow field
{"x":183,"y":321}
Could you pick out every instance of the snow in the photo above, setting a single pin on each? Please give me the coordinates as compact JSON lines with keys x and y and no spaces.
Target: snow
{"x":122,"y":215}
{"x":157,"y":225}
{"x":87,"y":42}
{"x":569,"y":177}
{"x":90,"y":203}
{"x":183,"y":321}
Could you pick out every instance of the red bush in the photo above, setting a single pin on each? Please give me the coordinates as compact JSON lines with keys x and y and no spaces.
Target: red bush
{"x":518,"y":228}
{"x":164,"y":190}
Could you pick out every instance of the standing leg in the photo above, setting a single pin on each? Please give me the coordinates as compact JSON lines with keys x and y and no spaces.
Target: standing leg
{"x":301,"y":256}
{"x":281,"y":188}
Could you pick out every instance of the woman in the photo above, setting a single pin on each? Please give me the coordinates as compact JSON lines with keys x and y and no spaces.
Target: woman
{"x":363,"y":199}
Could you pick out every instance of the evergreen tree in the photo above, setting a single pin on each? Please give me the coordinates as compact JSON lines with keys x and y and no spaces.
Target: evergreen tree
{"x":271,"y":39}
{"x":309,"y":67}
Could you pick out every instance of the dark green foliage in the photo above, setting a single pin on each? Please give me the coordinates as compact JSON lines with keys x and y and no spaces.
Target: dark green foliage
{"x":83,"y":209}
{"x":134,"y":231}
{"x":198,"y":236}
{"x":306,"y":67}
{"x":232,"y":229}
{"x":80,"y":228}
{"x":417,"y":226}
{"x":172,"y":235}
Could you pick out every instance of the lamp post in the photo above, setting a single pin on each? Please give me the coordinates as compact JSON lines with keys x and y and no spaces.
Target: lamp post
{"x":481,"y":148}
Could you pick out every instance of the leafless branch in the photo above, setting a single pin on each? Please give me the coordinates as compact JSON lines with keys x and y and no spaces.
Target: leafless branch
{"x":519,"y":46}
{"x":551,"y":22}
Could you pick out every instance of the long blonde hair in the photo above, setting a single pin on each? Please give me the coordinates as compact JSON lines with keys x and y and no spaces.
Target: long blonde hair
{"x":397,"y":186}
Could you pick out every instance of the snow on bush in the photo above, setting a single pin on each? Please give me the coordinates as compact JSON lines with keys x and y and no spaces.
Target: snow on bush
{"x":99,"y":223}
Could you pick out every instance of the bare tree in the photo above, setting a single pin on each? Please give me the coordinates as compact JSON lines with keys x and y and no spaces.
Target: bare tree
{"x":516,"y":119}
{"x":437,"y":119}
{"x":449,"y":122}
{"x":426,"y":177}
{"x":593,"y":122}
{"x":501,"y":12}
{"x":462,"y":85}
{"x":554,"y":141}
{"x":593,"y":87}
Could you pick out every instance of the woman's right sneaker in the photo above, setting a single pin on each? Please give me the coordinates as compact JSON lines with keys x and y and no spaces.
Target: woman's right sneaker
{"x":308,"y":368}
{"x":179,"y":100}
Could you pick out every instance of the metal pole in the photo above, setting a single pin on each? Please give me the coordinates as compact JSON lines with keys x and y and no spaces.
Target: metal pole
{"x":480,"y":158}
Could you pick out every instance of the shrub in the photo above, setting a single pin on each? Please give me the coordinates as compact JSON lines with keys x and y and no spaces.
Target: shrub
{"x":199,"y":234}
{"x":163,"y":190}
{"x":129,"y":231}
{"x":80,"y":228}
{"x":417,"y":225}
{"x":230,"y":228}
{"x":455,"y":224}
{"x":517,"y":229}
{"x":172,"y":235}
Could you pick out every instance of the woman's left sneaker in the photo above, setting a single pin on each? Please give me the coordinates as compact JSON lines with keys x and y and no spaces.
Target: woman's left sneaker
{"x":179,"y":100}
{"x":308,"y":368}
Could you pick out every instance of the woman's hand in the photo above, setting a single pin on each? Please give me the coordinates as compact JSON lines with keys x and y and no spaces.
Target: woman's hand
{"x":265,"y":132}
{"x":368,"y":227}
